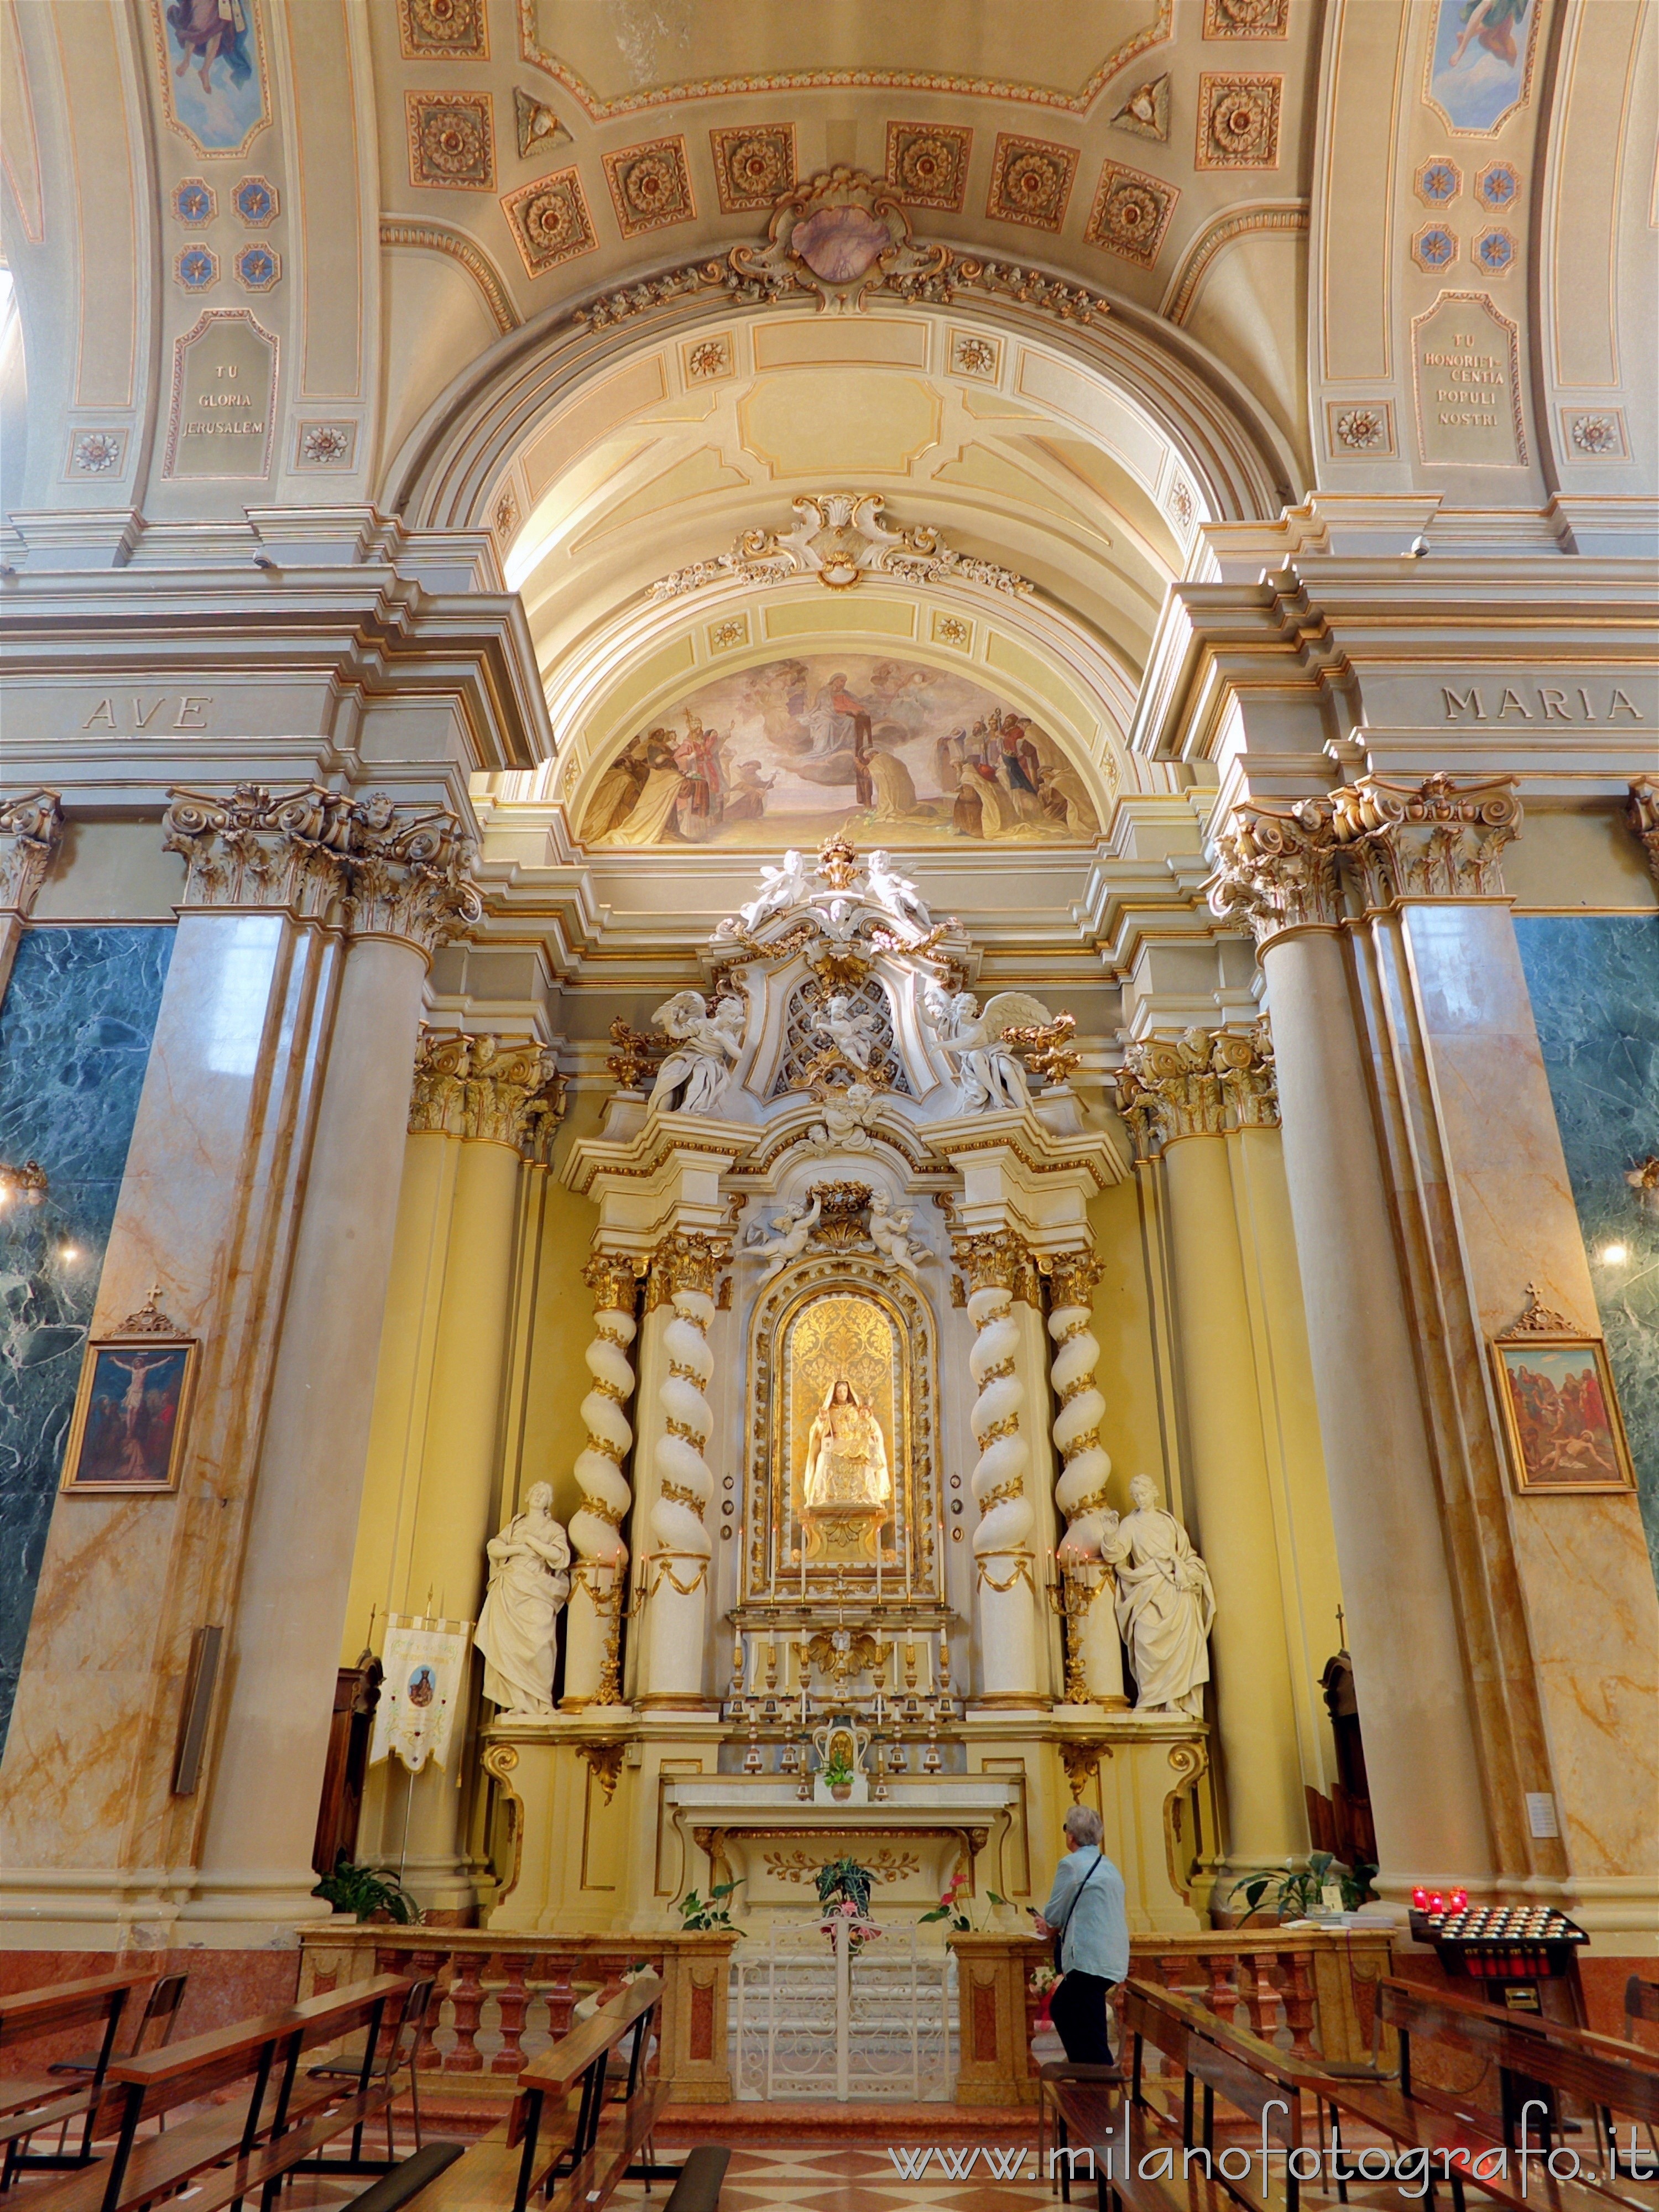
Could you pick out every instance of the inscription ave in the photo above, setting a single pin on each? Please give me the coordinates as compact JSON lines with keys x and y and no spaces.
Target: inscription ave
{"x":167,"y":711}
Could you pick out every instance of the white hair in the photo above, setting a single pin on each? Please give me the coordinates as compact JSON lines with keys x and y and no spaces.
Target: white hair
{"x":1082,"y":1824}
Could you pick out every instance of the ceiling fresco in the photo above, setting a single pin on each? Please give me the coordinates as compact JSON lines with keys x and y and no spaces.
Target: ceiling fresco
{"x":794,"y":749}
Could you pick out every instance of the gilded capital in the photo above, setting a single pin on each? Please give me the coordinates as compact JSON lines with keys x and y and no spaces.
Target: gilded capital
{"x":391,"y":871}
{"x":1200,"y":1084}
{"x":1276,"y":868}
{"x":1072,"y":1276}
{"x":685,"y":1261}
{"x":482,"y":1087}
{"x":611,"y":1277}
{"x":31,"y":830}
{"x":996,"y":1259}
{"x":1437,"y":839}
{"x":1642,"y":809}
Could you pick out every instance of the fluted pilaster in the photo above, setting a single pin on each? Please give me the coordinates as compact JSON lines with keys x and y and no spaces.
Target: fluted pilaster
{"x":596,"y":1528}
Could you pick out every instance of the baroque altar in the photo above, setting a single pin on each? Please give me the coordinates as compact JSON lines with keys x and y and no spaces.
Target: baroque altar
{"x":847,"y":1574}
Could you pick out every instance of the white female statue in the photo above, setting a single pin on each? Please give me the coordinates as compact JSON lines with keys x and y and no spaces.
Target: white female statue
{"x":1165,"y":1605}
{"x":528,"y":1584}
{"x":693,"y":1079}
{"x":845,"y":1453}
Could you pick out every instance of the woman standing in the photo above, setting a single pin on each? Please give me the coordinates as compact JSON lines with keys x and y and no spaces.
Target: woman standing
{"x":1086,"y":1910}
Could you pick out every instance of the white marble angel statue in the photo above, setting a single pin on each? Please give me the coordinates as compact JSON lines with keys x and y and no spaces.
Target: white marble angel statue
{"x":692,"y":1080}
{"x":896,"y":893}
{"x":790,"y":1230}
{"x":1165,"y":1604}
{"x":890,"y":1228}
{"x":988,"y":1071}
{"x":781,"y":887}
{"x":529,"y":1581}
{"x":846,"y":1117}
{"x":852,"y":1033}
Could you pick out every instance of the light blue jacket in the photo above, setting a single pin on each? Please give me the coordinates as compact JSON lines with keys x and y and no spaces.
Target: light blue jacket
{"x":1097,"y":1928}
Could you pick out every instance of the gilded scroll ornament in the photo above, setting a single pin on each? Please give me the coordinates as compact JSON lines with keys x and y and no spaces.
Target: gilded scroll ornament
{"x":1642,"y":811}
{"x":1436,"y":839}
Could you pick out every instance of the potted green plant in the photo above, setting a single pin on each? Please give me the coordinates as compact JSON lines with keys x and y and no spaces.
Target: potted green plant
{"x":371,"y":1892}
{"x":700,"y":1916}
{"x":1293,"y":1893}
{"x":838,"y":1778}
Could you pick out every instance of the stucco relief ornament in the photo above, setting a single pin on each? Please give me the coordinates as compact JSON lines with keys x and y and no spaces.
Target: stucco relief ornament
{"x":839,"y":236}
{"x":980,"y":1045}
{"x":1276,"y":868}
{"x":839,"y":538}
{"x":1642,"y":811}
{"x":1437,"y":839}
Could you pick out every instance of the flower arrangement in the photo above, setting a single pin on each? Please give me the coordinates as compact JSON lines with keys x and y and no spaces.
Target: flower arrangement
{"x":948,"y":1907}
{"x":844,"y":1898}
{"x":1042,"y":1981}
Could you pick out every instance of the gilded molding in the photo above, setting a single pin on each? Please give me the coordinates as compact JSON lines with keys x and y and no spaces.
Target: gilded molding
{"x":1642,"y":809}
{"x":502,"y":1093}
{"x":1438,"y":839}
{"x":1276,"y":869}
{"x":1200,"y":1084}
{"x":31,"y":830}
{"x":393,"y":871}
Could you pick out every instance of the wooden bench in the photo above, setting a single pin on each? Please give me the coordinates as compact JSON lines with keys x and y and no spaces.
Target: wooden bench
{"x":244,"y":2144}
{"x":30,"y":2102}
{"x":542,"y":2143}
{"x":1608,"y":2076}
{"x":698,"y":2189}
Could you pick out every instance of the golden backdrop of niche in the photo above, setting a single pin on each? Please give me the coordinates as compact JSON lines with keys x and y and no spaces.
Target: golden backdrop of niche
{"x":842,"y":1333}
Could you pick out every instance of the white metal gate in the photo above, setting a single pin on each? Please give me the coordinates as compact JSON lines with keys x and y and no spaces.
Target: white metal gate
{"x":812,"y":2018}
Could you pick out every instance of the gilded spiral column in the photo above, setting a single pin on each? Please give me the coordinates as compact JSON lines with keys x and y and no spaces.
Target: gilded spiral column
{"x":1094,"y":1657}
{"x":677,"y":1575}
{"x":596,"y":1587}
{"x":1006,"y":1578}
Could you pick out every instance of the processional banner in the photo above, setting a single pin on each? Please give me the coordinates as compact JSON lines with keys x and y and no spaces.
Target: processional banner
{"x":425,"y":1665}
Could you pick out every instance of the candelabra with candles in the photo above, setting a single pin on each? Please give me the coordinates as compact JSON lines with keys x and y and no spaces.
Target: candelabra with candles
{"x":908,"y":1703}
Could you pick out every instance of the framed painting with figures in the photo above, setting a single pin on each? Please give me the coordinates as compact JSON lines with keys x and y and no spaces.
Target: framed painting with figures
{"x":1560,"y":1414}
{"x":131,"y":1411}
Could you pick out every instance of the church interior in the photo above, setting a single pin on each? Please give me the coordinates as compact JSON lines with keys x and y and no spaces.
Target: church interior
{"x":829,"y":1028}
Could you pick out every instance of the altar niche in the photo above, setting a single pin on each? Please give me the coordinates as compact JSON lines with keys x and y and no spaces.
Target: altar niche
{"x":841,"y":1489}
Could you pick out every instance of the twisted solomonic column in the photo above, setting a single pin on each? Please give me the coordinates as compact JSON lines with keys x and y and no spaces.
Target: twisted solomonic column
{"x":1006,"y":1591}
{"x":683,"y":1265}
{"x":1094,"y":1657}
{"x":590,"y":1667}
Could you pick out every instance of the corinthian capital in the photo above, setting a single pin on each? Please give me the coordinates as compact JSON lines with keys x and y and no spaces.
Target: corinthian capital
{"x":685,"y":1261}
{"x":31,"y":830}
{"x":1643,"y":811}
{"x":998,"y":1260}
{"x":1436,"y":839}
{"x":1276,"y":868}
{"x":480,"y":1087}
{"x":611,"y":1277}
{"x":1200,"y":1084}
{"x":393,"y":871}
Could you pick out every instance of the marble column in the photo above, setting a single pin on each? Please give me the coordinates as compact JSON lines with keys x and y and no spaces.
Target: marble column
{"x":482,"y":1092}
{"x":1005,"y":1566}
{"x":31,"y":830}
{"x":1278,"y":872}
{"x":403,"y":889}
{"x":597,"y":1582}
{"x":674,"y":1576}
{"x":1180,"y":1096}
{"x":1094,"y":1654}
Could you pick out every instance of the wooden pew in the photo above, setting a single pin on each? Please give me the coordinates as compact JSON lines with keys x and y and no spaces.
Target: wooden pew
{"x":583,"y":2156}
{"x":242,"y":2146}
{"x":30,"y":2102}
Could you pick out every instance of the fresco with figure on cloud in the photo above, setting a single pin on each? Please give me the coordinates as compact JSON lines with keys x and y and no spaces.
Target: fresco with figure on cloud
{"x":212,"y":66}
{"x":795,"y":750}
{"x":1480,"y":64}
